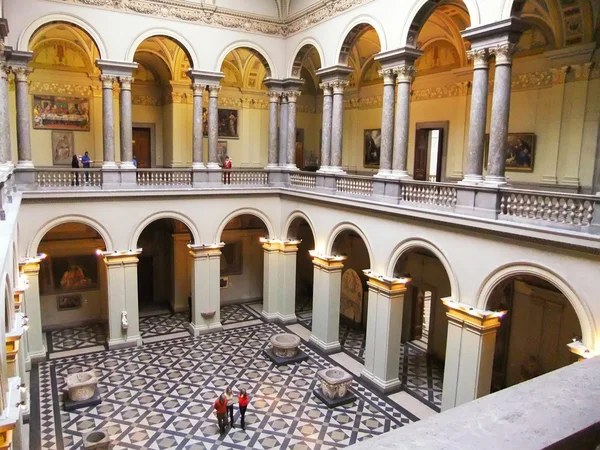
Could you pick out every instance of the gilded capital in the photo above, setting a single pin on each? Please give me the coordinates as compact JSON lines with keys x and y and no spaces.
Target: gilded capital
{"x":480,"y":58}
{"x":388,"y":76}
{"x":213,"y":90}
{"x":21,"y":72}
{"x":125,"y":83}
{"x":339,"y":86}
{"x":405,"y":74}
{"x":274,"y":96}
{"x":198,"y":89}
{"x":327,"y":88}
{"x":503,"y":53}
{"x":107,"y":81}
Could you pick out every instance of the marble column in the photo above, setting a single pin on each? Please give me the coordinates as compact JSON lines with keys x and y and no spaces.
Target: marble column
{"x":213,"y":126}
{"x":35,"y":340}
{"x":404,"y":76}
{"x":500,"y":112}
{"x":283,"y":130}
{"x":384,"y":331}
{"x":197,"y":128}
{"x":327,"y":288}
{"x":337,"y":124}
{"x":387,"y":122}
{"x":5,"y":145}
{"x":23,"y":123}
{"x":478,"y":118}
{"x":122,"y":298}
{"x":469,"y":353}
{"x":108,"y":122}
{"x":326,"y":127}
{"x":292,"y":97}
{"x":206,"y":289}
{"x":125,"y":123}
{"x":273,"y":103}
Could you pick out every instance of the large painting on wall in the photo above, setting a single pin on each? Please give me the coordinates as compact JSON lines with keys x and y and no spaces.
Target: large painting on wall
{"x":61,"y":113}
{"x":69,"y":274}
{"x":352,"y":296}
{"x":519,"y":152}
{"x":63,"y":148}
{"x":227,"y":121}
{"x":372,"y":148}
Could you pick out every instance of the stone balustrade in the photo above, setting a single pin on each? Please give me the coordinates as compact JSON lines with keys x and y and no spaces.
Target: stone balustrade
{"x":573,"y":212}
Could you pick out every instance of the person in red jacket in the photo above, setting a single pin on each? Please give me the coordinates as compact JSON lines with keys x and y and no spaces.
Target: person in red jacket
{"x":227,"y":164}
{"x":221,"y":411}
{"x":243,"y":402}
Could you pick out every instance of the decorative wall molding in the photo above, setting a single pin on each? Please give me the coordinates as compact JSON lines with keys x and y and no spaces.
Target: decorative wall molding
{"x":73,"y":90}
{"x":146,"y":100}
{"x":446,"y":91}
{"x":211,"y":15}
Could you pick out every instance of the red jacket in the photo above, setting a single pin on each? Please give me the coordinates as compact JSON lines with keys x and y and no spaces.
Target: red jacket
{"x":221,"y":407}
{"x":243,"y":401}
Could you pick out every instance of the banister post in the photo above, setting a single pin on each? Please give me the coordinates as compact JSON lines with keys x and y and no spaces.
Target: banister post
{"x":478,"y":201}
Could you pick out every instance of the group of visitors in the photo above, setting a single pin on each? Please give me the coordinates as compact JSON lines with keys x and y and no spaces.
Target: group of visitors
{"x":224,"y":406}
{"x":86,"y":163}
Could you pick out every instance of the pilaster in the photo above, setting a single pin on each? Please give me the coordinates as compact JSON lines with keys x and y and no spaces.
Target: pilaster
{"x":35,"y":342}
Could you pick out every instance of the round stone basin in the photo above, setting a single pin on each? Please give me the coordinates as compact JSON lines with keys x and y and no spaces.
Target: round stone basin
{"x":96,"y":440}
{"x":95,"y":437}
{"x":285,"y":345}
{"x":81,"y":386}
{"x":335,"y":373}
{"x":334,"y":382}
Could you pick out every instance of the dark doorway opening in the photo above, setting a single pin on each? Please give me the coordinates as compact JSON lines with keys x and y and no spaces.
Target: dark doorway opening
{"x":142,"y":147}
{"x":430,"y":151}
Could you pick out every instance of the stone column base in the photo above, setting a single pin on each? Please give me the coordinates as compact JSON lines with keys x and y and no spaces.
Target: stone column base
{"x":471,"y":180}
{"x":269,"y":317}
{"x":382,"y":386}
{"x":38,"y":356}
{"x":133,"y":341}
{"x":326,"y":347}
{"x":197,"y":330}
{"x":287,"y":319}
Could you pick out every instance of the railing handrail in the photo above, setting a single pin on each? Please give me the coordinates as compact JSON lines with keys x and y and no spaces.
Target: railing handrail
{"x":509,"y":190}
{"x":66,"y":169}
{"x":353,"y":177}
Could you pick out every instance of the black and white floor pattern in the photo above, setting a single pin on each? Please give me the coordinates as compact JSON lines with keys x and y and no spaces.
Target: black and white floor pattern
{"x":160,"y":396}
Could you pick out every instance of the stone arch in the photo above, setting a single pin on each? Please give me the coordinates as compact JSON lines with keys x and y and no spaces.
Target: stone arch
{"x":297,"y":215}
{"x":414,"y":243}
{"x":183,"y":43}
{"x":301,"y":50}
{"x":351,"y":33}
{"x":586,"y":320}
{"x":512,"y":8}
{"x":29,"y":31}
{"x":164,"y":215}
{"x":256,"y":50}
{"x":347,"y":226}
{"x":241,"y":212}
{"x":421,"y":11}
{"x":35,"y":242}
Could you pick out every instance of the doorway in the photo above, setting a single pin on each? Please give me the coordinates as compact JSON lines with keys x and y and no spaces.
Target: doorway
{"x":142,"y":147}
{"x":430,"y":151}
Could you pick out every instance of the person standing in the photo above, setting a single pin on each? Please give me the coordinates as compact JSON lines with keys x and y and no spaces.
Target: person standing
{"x":243,"y":404}
{"x":86,"y":162}
{"x":75,"y":165}
{"x":134,"y":161}
{"x":227,"y":164}
{"x":229,"y":397}
{"x":221,"y":411}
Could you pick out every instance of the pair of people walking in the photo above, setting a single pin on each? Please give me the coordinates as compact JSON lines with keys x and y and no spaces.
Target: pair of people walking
{"x":224,"y":406}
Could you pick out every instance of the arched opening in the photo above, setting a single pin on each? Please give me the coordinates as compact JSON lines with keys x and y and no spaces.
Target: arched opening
{"x":64,"y":123}
{"x":8,"y":311}
{"x":354,"y":292}
{"x":162,"y":102}
{"x":164,"y":277}
{"x":73,"y":288}
{"x":533,"y":336}
{"x":245,"y":121}
{"x":424,"y":325}
{"x":242,"y":269}
{"x":308,"y":118}
{"x":300,"y":230}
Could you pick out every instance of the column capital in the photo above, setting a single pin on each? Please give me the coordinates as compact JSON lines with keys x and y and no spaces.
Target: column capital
{"x":339,"y":86}
{"x":31,"y":266}
{"x":496,"y":33}
{"x":125,"y":82}
{"x":21,"y":72}
{"x":204,"y":250}
{"x":19,"y":63}
{"x":274,"y":95}
{"x":388,"y":75}
{"x":334,"y":73}
{"x":292,"y":96}
{"x":4,"y":69}
{"x":559,"y":74}
{"x":581,"y":350}
{"x":387,"y":285}
{"x":283,"y":97}
{"x":107,"y":81}
{"x":480,"y":57}
{"x":287,"y":246}
{"x":213,"y":90}
{"x":405,"y":74}
{"x":503,"y":53}
{"x":198,"y":88}
{"x":478,"y":319}
{"x":327,"y":262}
{"x":327,"y":88}
{"x":120,"y":257}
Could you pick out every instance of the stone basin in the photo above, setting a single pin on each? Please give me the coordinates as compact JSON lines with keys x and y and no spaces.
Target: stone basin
{"x":96,"y":440}
{"x":285,"y":345}
{"x":334,"y":382}
{"x":81,"y":386}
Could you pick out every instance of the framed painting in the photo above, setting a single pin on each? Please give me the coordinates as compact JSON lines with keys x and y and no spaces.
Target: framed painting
{"x":372,"y":148}
{"x":519,"y":152}
{"x":231,"y":259}
{"x":221,"y":152}
{"x":69,"y":274}
{"x":63,"y":147}
{"x":70,"y":301}
{"x":61,"y":113}
{"x":227,"y":122}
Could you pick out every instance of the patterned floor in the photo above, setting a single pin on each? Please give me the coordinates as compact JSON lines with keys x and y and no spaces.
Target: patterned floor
{"x":86,"y":337}
{"x":421,"y":376}
{"x":159,"y":396}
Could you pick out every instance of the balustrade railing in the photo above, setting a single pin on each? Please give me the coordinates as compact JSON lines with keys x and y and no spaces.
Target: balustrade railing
{"x":351,"y":184}
{"x":53,"y":178}
{"x":547,"y":207}
{"x":428,"y":193}
{"x":303,"y":179}
{"x":164,"y":177}
{"x":256,"y":177}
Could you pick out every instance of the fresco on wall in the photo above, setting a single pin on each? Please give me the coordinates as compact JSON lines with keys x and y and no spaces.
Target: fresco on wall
{"x":438,"y":57}
{"x":69,"y":274}
{"x":228,"y":123}
{"x":63,"y":148}
{"x":61,"y":113}
{"x":352,"y":295}
{"x":372,"y":148}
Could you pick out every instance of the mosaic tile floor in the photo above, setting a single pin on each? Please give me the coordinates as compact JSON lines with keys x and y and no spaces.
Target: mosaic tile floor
{"x":159,"y":396}
{"x":76,"y":338}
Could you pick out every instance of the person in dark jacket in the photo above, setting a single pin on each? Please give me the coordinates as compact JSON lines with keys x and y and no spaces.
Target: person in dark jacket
{"x":75,"y":165}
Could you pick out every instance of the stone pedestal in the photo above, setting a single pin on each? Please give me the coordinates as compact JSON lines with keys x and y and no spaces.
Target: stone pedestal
{"x":206,"y":290}
{"x":334,"y":389}
{"x":326,"y":301}
{"x":284,"y":349}
{"x":469,"y":353}
{"x":384,"y":331}
{"x":122,"y":297}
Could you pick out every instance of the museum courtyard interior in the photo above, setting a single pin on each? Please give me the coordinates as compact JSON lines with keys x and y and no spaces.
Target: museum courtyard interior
{"x":380,"y":218}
